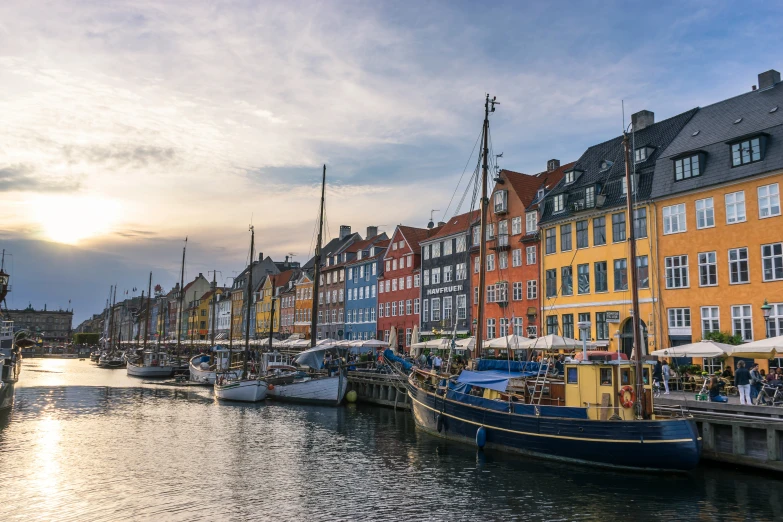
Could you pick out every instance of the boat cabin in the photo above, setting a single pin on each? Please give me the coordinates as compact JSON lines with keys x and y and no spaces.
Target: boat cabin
{"x":152,"y":358}
{"x":597,"y":386}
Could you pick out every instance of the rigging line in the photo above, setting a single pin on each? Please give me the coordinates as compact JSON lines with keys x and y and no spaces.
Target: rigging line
{"x":464,"y":194}
{"x":465,"y":168}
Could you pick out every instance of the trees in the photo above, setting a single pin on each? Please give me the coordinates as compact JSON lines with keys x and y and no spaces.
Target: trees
{"x":723,"y":337}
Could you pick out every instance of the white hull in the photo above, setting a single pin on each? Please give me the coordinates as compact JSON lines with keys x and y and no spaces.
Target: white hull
{"x":149,"y":371}
{"x":251,"y":390}
{"x":326,"y":390}
{"x":207,"y":376}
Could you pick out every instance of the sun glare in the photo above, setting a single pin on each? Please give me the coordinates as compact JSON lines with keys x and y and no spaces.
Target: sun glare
{"x":70,"y":219}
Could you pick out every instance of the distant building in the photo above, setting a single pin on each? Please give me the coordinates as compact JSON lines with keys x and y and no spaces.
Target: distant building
{"x":50,"y":325}
{"x":361,"y":284}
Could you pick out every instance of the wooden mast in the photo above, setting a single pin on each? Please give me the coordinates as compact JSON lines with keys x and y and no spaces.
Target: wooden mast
{"x":249,"y":302}
{"x":489,"y":106}
{"x":317,"y":273}
{"x":214,"y":298}
{"x":147,"y":311}
{"x":636,"y":319}
{"x":181,"y":297}
{"x":272,"y":317}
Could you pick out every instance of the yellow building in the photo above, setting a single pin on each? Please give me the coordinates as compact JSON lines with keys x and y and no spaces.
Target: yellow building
{"x":720,"y":230}
{"x":264,"y":309}
{"x":585,"y":253}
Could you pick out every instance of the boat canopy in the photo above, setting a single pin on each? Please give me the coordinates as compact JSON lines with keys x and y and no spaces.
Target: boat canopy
{"x":492,"y":379}
{"x":314,"y":357}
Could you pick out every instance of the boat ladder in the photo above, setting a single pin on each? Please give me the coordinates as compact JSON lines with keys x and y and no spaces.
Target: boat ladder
{"x":541,"y":382}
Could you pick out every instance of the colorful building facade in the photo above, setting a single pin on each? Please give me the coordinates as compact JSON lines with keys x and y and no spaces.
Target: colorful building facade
{"x":361,"y":283}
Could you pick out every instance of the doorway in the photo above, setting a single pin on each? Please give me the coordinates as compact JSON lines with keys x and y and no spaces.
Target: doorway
{"x":626,"y":337}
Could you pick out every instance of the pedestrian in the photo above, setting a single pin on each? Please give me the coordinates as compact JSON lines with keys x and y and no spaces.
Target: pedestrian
{"x":715,"y":395}
{"x":658,"y":371}
{"x":667,"y":373}
{"x":437,"y":362}
{"x":742,"y":382}
{"x":755,"y":382}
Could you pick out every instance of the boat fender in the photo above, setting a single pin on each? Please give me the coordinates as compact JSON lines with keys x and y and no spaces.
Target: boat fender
{"x":627,"y":396}
{"x":481,"y":437}
{"x":271,"y":387}
{"x":441,"y":423}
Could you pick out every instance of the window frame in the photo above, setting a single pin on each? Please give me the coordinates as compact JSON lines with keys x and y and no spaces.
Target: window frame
{"x":615,"y":227}
{"x":772,"y":257}
{"x":672,"y":214}
{"x":739,"y":261}
{"x":681,"y":269}
{"x":707,"y":209}
{"x":735,"y":203}
{"x":690,"y":163}
{"x":707,"y":264}
{"x":769,"y":196}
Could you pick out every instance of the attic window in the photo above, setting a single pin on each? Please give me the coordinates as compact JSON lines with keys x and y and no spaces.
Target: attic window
{"x":687,"y":167}
{"x":572,"y":175}
{"x":540,"y":194}
{"x":606,"y":165}
{"x":559,"y":203}
{"x":747,"y":151}
{"x":642,"y":153}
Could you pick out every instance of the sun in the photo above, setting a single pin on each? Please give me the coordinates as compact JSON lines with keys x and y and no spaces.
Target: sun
{"x":72,"y":219}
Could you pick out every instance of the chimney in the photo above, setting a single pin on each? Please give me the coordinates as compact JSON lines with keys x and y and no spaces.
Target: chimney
{"x":768,"y":79}
{"x":441,"y":223}
{"x":286,"y":260}
{"x":552,"y":165}
{"x":200,"y":275}
{"x":371,"y":232}
{"x":260,"y":257}
{"x":642,"y":120}
{"x":345,"y":231}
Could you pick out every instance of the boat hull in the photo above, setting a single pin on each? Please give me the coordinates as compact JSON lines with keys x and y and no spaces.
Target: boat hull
{"x":328,"y":391}
{"x":251,"y":390}
{"x":149,"y":371}
{"x":660,"y":445}
{"x":208,"y":376}
{"x":6,"y":395}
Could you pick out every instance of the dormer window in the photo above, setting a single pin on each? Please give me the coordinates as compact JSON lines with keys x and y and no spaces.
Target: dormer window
{"x":572,"y":175}
{"x":642,"y":153}
{"x":589,"y":197}
{"x":501,"y":201}
{"x":747,"y":151}
{"x":540,"y":194}
{"x":625,"y":185}
{"x":559,"y":203}
{"x":687,"y":167}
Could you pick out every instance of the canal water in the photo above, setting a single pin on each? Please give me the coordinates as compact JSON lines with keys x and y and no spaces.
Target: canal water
{"x":83,"y":443}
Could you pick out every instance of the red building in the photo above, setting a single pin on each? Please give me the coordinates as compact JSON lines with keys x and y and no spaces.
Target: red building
{"x":512,"y":256}
{"x":399,"y":285}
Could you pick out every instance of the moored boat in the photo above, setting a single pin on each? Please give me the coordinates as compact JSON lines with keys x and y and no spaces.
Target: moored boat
{"x":202,"y":370}
{"x":242,"y":390}
{"x":314,"y":383}
{"x":151,"y":364}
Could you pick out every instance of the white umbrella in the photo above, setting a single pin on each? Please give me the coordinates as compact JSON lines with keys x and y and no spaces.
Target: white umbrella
{"x":551,"y":341}
{"x":510,"y":342}
{"x":700,"y":349}
{"x":468,"y":343}
{"x":434,"y":344}
{"x":393,"y":340}
{"x":762,"y":349}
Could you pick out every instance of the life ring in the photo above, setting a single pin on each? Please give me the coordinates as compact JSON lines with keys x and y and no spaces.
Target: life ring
{"x":271,"y":387}
{"x":627,"y":403}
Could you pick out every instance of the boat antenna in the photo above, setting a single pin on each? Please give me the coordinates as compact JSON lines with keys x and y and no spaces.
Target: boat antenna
{"x":489,"y":106}
{"x":317,"y":264}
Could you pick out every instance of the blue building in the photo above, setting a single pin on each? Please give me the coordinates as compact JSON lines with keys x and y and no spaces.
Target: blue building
{"x":361,"y":281}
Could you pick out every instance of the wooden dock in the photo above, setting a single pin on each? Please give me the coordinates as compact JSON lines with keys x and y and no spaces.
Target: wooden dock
{"x":733,"y":433}
{"x":379,"y":388}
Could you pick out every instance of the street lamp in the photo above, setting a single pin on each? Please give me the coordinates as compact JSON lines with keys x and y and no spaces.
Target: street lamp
{"x":767,"y":309}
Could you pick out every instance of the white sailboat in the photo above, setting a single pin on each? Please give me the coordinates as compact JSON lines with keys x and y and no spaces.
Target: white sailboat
{"x":150,"y":363}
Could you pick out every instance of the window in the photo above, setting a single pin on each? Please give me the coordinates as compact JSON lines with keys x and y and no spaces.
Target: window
{"x":408,"y":334}
{"x":518,"y":328}
{"x":388,"y":264}
{"x":569,"y":177}
{"x":642,"y":272}
{"x":425,"y":314}
{"x":558,"y":203}
{"x":517,"y":291}
{"x":590,"y":197}
{"x":435,"y":276}
{"x":416,"y":281}
{"x":676,"y":272}
{"x":447,"y":307}
{"x":742,"y":322}
{"x":551,"y":240}
{"x":620,"y":274}
{"x":447,"y":246}
{"x":476,"y":264}
{"x":735,"y":207}
{"x":582,"y":318}
{"x":775,"y":323}
{"x":565,"y":237}
{"x":501,"y":201}
{"x":516,"y":257}
{"x":447,"y":273}
{"x":566,"y":273}
{"x":408,"y":282}
{"x":394,"y":309}
{"x":394,"y":285}
{"x":624,"y":185}
{"x":408,"y":307}
{"x":679,"y":317}
{"x":530,"y":253}
{"x":516,"y":225}
{"x":739,"y":271}
{"x":476,"y":235}
{"x":685,"y":168}
{"x":568,"y":326}
{"x":601,"y":277}
{"x":531,"y":222}
{"x":435,"y":304}
{"x":503,"y":260}
{"x":674,"y":219}
{"x":532,"y":289}
{"x":581,"y":234}
{"x":490,"y":262}
{"x":572,"y":376}
{"x":490,"y":231}
{"x":551,"y":325}
{"x":640,"y":223}
{"x":388,"y":309}
{"x":705,"y":213}
{"x":551,"y":282}
{"x":462,"y":307}
{"x":708,"y":269}
{"x":426,"y":250}
{"x":426,"y":278}
{"x":599,"y":231}
{"x":416,"y":306}
{"x":491,"y":294}
{"x":744,"y":152}
{"x":772,"y":261}
{"x":583,"y":279}
{"x":394,"y":264}
{"x":503,"y":233}
{"x":462,"y":271}
{"x":503,"y":327}
{"x":460,"y":244}
{"x":601,"y":326}
{"x":435,"y":250}
{"x":769,"y":201}
{"x":491,"y":328}
{"x":710,"y":320}
{"x":640,"y":154}
{"x":410,"y":263}
{"x":618,"y":227}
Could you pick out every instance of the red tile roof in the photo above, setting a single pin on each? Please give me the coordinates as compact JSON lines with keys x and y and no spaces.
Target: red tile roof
{"x":414,"y":236}
{"x":456,"y":224}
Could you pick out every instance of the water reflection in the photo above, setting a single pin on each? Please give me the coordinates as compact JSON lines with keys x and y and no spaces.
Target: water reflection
{"x":91,"y":444}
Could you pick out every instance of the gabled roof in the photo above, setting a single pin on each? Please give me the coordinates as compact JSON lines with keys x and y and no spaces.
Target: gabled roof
{"x":384,"y":244}
{"x":455,"y":225}
{"x":658,"y":135}
{"x":709,"y":132}
{"x":414,"y":236}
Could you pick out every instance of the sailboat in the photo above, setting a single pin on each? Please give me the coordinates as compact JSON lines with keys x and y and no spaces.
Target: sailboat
{"x":246,"y":388}
{"x":313,"y":386}
{"x":150,"y":363}
{"x":10,"y":356}
{"x":110,"y":358}
{"x":482,"y":408}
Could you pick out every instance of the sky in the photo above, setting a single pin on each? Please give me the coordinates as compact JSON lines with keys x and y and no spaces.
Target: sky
{"x":129,"y":125}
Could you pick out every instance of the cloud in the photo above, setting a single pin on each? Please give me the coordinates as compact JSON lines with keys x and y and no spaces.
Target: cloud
{"x":22,"y":178}
{"x":136,"y":156}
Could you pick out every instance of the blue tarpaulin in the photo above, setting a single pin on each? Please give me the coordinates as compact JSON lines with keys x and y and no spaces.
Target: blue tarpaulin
{"x":506,"y":366}
{"x":390,"y":355}
{"x":493,"y":380}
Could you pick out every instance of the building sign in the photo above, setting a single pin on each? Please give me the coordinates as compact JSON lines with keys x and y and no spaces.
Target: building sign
{"x":444,"y":289}
{"x":612,"y":317}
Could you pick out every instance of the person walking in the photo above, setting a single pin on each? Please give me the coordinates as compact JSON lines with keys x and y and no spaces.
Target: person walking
{"x":667,"y":373}
{"x":755,"y":382}
{"x":742,"y":382}
{"x":658,"y":372}
{"x":437,"y":362}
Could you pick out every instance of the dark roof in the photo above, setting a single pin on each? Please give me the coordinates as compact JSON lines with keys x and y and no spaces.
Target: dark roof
{"x":333,"y":247}
{"x":548,"y":181}
{"x":455,"y":225}
{"x":658,"y":135}
{"x":715,"y":126}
